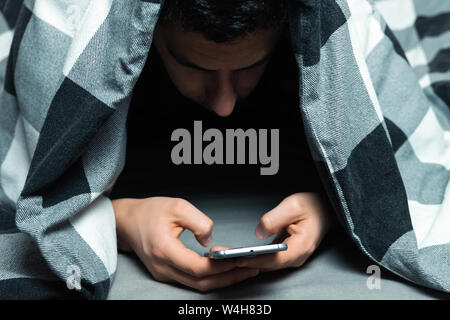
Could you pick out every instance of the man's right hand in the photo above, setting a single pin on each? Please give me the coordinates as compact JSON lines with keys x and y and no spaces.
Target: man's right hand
{"x":151,"y":228}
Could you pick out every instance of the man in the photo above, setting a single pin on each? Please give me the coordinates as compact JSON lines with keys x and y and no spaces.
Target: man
{"x":373,"y":102}
{"x":228,"y":64}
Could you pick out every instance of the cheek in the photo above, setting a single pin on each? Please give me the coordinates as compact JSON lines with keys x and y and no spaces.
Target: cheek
{"x":190,"y":83}
{"x":247,"y":80}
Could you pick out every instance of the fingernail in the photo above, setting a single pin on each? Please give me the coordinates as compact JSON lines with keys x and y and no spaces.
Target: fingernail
{"x":260,"y":233}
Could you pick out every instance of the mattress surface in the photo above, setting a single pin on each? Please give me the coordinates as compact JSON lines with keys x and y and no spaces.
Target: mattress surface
{"x":337,"y":270}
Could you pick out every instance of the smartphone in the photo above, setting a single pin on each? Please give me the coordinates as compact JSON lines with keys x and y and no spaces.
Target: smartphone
{"x":246,"y":251}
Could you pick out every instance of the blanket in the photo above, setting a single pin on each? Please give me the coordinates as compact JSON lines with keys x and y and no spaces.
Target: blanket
{"x":374,"y":96}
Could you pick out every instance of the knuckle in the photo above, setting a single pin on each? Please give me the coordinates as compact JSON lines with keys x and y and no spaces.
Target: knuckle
{"x":178,"y":204}
{"x":147,"y":249}
{"x":297,"y":204}
{"x":208,"y":225}
{"x":204,"y":228}
{"x":158,"y":273}
{"x":298,"y":263}
{"x":157,"y":276}
{"x":266,"y":222}
{"x":194,"y":272}
{"x":203,"y":286}
{"x":158,"y":252}
{"x":283,"y":261}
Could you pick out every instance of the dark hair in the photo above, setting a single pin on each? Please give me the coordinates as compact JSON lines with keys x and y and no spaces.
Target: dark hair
{"x":224,"y":20}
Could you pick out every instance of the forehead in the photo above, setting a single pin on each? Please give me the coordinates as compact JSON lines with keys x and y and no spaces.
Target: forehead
{"x":237,"y":54}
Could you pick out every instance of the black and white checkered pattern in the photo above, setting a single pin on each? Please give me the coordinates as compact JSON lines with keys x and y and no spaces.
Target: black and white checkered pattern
{"x":375,"y":97}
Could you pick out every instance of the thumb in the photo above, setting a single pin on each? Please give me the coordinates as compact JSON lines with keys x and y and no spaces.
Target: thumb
{"x":277,"y":219}
{"x":189,"y":217}
{"x":217,"y":248}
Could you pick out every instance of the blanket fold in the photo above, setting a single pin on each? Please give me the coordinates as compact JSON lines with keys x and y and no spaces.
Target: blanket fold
{"x":374,"y":93}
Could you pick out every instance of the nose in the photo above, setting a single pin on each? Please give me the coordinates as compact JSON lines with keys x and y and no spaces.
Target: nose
{"x":221,"y":95}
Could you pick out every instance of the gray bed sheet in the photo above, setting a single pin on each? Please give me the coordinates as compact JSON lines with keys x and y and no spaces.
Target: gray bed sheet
{"x":337,"y":270}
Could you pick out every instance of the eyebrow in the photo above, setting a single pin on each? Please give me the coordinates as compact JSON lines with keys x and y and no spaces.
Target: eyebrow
{"x":194,"y":66}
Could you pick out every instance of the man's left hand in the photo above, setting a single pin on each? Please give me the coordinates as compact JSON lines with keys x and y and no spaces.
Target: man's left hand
{"x":301,"y":221}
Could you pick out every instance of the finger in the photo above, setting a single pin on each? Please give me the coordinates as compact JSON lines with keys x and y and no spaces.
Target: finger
{"x":283,"y":234}
{"x":287,"y":212}
{"x":265,"y":262}
{"x":189,"y":217}
{"x":218,"y":248}
{"x":295,"y":255}
{"x":192,"y":263}
{"x":213,"y":281}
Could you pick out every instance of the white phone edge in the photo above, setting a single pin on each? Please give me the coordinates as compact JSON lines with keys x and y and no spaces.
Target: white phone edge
{"x":246,"y":251}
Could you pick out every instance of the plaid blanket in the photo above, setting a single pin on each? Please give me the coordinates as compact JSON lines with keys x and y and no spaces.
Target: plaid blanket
{"x":375,"y":97}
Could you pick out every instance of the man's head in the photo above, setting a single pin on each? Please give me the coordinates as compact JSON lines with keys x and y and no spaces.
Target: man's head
{"x":215,"y":51}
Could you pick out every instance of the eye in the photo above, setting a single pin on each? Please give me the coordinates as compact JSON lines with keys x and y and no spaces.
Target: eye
{"x":252,"y":69}
{"x":249,"y":71}
{"x":195,"y":68}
